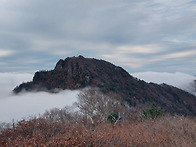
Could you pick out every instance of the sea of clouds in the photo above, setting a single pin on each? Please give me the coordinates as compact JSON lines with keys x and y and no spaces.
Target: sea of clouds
{"x":27,"y":104}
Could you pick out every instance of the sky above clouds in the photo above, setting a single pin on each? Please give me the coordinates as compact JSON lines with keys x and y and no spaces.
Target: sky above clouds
{"x":139,"y":35}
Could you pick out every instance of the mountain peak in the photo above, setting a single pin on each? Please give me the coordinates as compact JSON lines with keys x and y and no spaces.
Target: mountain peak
{"x":80,"y":72}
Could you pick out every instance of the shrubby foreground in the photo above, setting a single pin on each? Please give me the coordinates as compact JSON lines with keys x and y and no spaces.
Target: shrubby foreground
{"x":101,"y":120}
{"x":173,"y":131}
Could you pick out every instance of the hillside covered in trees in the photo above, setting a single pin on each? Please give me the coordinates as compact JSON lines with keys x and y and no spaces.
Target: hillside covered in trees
{"x":80,"y":72}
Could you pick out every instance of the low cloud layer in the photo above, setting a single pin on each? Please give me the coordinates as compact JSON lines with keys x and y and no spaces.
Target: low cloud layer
{"x":28,"y":104}
{"x":180,"y":80}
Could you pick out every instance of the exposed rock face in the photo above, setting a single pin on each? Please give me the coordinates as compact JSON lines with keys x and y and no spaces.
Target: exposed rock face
{"x":80,"y":72}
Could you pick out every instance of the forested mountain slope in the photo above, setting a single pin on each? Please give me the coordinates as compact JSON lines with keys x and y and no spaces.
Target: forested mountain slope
{"x":80,"y":72}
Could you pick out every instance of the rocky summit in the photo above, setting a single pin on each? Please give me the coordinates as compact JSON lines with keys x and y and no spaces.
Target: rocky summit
{"x":79,"y":72}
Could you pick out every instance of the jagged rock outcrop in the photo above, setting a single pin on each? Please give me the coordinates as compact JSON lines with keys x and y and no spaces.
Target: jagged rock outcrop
{"x":80,"y":72}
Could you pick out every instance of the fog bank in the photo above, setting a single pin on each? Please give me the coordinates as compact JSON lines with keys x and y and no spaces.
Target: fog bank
{"x":28,"y":104}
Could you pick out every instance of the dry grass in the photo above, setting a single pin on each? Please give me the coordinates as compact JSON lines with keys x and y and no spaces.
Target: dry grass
{"x":167,"y":131}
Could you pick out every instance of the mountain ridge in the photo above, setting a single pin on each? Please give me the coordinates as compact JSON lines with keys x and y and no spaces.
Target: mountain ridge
{"x":180,"y":80}
{"x":80,"y":72}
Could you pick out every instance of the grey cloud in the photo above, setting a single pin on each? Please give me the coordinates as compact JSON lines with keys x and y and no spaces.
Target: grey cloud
{"x":75,"y":27}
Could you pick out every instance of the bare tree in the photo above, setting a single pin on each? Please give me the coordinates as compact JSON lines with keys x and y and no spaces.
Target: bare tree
{"x":93,"y":103}
{"x":66,"y":114}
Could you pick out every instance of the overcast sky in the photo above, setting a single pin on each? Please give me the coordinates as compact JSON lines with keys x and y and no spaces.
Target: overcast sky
{"x":139,"y":35}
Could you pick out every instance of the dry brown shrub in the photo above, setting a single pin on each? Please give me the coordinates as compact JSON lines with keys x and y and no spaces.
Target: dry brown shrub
{"x":172,"y":131}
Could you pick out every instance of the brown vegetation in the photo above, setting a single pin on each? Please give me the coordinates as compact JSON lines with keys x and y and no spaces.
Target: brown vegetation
{"x":173,"y":131}
{"x":90,"y":126}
